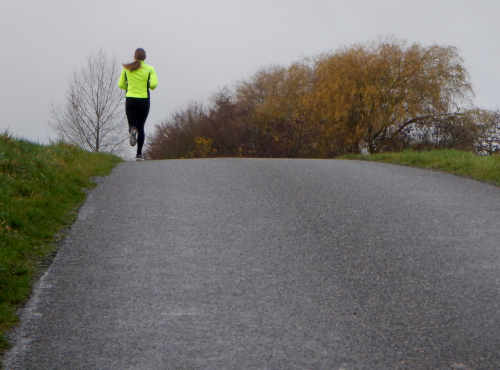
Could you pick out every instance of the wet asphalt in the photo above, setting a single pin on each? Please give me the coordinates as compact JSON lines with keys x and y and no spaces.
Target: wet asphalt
{"x":272,"y":264}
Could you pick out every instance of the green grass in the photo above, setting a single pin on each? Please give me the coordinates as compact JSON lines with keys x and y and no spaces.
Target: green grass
{"x":484,"y":168}
{"x":41,"y":189}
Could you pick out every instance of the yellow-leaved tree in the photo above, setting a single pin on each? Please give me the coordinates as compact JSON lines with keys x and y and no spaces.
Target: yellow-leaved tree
{"x":274,"y":98}
{"x":368,"y":95}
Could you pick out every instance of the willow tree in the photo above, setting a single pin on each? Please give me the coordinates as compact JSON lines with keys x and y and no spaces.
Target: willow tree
{"x":369,"y":94}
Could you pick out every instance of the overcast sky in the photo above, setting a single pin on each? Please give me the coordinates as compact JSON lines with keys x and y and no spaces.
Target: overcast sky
{"x":199,"y":46}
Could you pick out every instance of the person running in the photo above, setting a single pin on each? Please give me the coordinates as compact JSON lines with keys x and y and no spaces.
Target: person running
{"x":137,"y":78}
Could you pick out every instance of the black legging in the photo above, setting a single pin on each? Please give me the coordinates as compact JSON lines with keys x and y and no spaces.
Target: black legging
{"x":137,"y":110}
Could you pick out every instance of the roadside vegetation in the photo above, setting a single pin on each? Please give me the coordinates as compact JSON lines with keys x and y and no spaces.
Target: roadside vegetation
{"x":41,"y":189}
{"x":483,"y":168}
{"x":377,"y":97}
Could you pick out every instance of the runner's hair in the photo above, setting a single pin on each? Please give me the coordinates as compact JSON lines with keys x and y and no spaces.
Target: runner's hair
{"x":140,"y":55}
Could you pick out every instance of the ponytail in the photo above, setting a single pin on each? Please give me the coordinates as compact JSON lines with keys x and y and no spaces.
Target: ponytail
{"x":140,"y":55}
{"x":133,"y":66}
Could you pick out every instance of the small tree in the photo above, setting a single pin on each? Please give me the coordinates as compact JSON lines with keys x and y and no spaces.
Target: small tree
{"x":93,"y":117}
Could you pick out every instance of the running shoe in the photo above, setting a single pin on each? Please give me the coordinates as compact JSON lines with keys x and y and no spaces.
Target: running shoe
{"x":139,"y":157}
{"x":133,"y":136}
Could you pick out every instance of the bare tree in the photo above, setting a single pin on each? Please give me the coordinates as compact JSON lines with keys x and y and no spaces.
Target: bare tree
{"x":488,"y":122}
{"x":93,"y":117}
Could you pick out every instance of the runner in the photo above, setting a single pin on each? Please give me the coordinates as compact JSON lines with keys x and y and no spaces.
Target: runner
{"x":137,"y":78}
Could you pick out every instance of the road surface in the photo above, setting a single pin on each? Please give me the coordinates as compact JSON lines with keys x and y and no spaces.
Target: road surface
{"x":272,"y":264}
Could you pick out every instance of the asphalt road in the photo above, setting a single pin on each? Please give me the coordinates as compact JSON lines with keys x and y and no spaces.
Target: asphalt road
{"x":272,"y":264}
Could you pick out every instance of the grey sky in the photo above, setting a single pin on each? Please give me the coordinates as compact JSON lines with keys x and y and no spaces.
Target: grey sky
{"x":199,"y":46}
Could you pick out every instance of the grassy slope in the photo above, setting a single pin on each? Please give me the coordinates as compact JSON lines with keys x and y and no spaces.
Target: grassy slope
{"x":484,"y":168}
{"x":40,"y":192}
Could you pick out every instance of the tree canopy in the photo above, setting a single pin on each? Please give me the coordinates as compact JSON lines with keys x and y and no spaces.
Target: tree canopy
{"x":366,"y":95}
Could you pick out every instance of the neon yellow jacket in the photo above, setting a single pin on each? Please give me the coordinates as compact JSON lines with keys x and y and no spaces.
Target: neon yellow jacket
{"x":136,"y":83}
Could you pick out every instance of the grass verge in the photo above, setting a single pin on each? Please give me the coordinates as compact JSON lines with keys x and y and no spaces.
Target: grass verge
{"x":41,"y":189}
{"x":484,"y":168}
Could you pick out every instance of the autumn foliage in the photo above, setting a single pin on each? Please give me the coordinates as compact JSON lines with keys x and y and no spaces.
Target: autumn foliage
{"x":381,"y":96}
